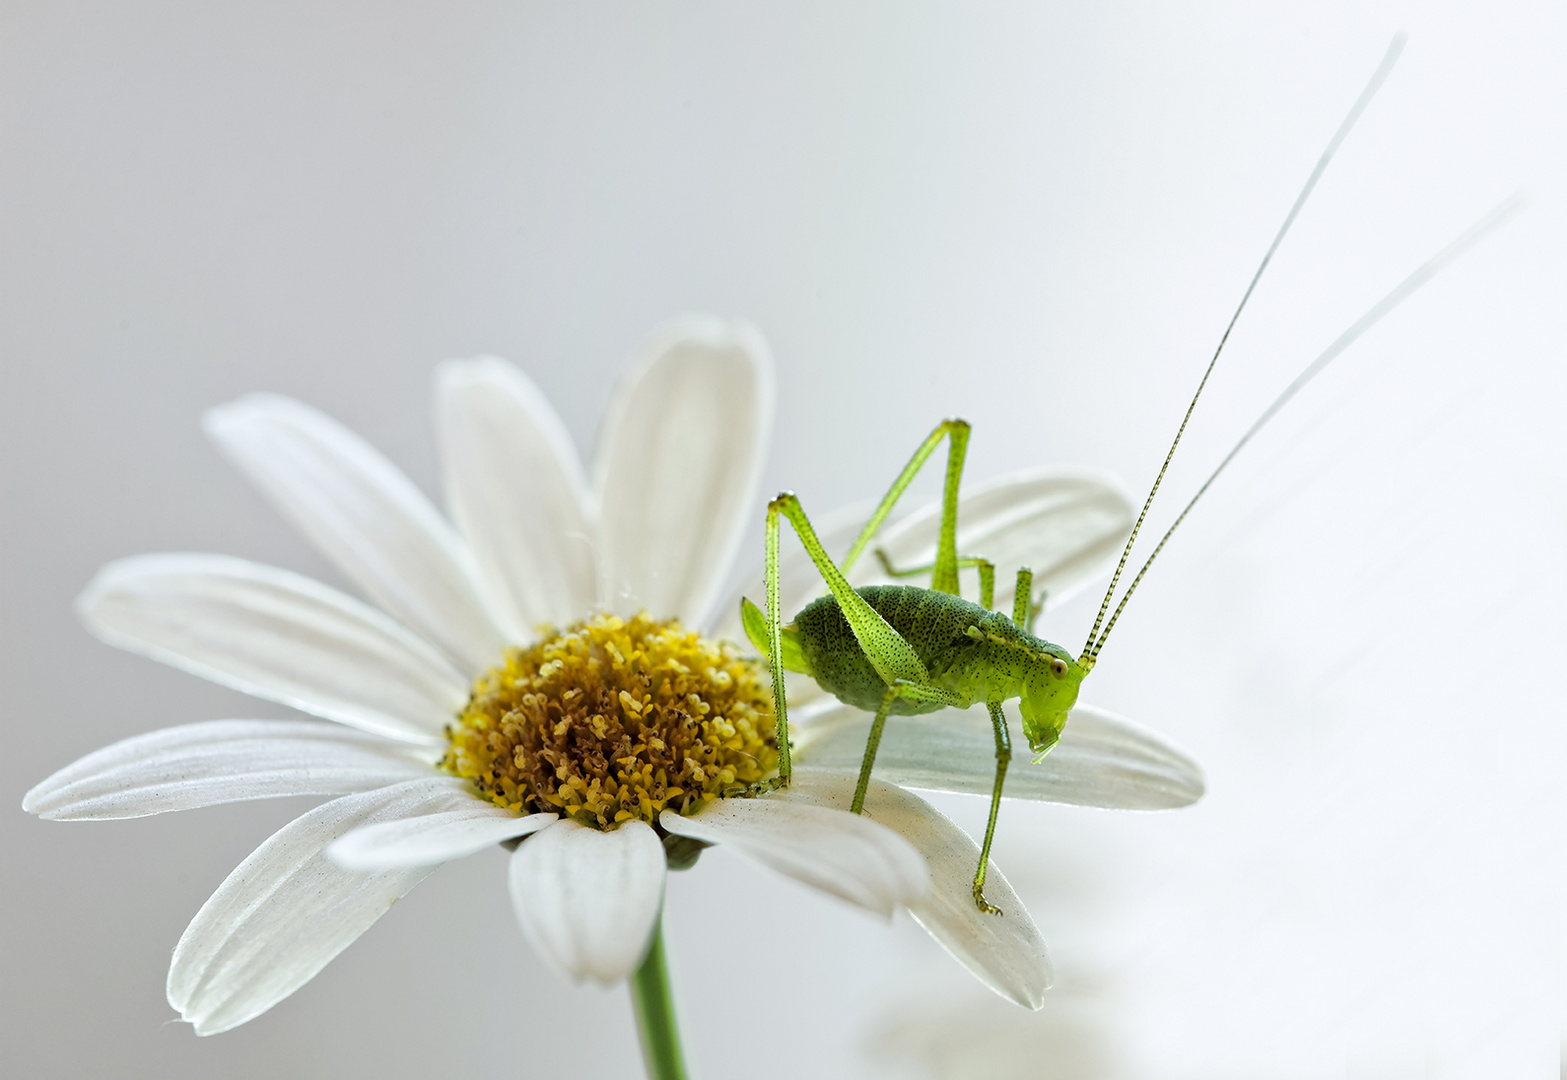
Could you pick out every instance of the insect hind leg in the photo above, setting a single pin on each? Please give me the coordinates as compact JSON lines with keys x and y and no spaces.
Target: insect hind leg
{"x":894,"y":692}
{"x":893,"y":658}
{"x":871,"y":745}
{"x":986,"y":568}
{"x":945,"y":575}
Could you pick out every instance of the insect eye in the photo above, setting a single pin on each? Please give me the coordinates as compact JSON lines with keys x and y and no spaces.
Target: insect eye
{"x":1058,"y":666}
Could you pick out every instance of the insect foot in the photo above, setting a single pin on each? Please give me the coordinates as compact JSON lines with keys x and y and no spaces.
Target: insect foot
{"x":984,"y":905}
{"x":760,"y":787}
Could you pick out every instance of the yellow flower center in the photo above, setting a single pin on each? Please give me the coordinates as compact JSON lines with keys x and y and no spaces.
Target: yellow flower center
{"x":615,"y":719}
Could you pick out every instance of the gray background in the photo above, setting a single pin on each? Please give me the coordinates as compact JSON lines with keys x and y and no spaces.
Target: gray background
{"x":1035,"y":215}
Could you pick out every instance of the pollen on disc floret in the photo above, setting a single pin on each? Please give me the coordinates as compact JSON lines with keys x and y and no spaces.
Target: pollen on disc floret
{"x":615,"y":719}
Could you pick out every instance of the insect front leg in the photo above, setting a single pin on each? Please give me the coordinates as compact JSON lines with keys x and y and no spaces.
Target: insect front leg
{"x":998,"y":721}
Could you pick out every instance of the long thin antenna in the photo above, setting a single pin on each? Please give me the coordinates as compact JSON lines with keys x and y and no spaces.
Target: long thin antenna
{"x":1378,"y":77}
{"x":1406,"y":288}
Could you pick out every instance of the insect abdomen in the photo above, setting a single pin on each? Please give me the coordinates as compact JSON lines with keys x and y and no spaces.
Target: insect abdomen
{"x":934,"y":623}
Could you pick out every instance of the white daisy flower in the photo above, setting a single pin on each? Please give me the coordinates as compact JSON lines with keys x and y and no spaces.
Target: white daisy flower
{"x":602,"y":753}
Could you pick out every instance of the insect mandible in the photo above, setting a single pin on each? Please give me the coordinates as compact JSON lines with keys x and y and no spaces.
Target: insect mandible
{"x":897,"y":650}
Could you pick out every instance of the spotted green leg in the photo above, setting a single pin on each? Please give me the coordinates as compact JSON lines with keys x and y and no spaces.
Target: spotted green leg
{"x":986,"y":568}
{"x":1023,"y":611}
{"x":895,"y":661}
{"x":893,"y":658}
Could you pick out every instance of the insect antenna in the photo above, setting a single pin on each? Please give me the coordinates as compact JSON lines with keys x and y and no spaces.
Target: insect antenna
{"x":1406,"y":288}
{"x":1378,"y":77}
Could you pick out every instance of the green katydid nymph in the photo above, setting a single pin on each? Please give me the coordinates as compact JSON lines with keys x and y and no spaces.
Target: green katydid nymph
{"x":903,"y":650}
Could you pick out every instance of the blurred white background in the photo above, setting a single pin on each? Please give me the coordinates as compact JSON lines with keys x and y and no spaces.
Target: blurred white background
{"x":1037,"y":215}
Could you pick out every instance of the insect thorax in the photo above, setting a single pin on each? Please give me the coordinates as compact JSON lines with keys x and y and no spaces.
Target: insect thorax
{"x":978,"y":653}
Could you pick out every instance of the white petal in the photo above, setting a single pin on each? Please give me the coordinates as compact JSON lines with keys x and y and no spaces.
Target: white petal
{"x":1066,"y":524}
{"x":222,"y":761}
{"x":1102,"y":759}
{"x":840,"y":853}
{"x":516,"y":489}
{"x":432,"y":838}
{"x":1005,"y":952}
{"x":276,"y":635}
{"x":287,"y":910}
{"x":678,"y":462}
{"x":588,"y":899}
{"x":363,"y":514}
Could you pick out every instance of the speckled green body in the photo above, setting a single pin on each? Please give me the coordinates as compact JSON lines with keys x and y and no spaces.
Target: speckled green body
{"x":980,"y":654}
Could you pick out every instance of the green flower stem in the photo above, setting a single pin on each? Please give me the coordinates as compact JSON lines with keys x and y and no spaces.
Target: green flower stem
{"x":655,"y":1008}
